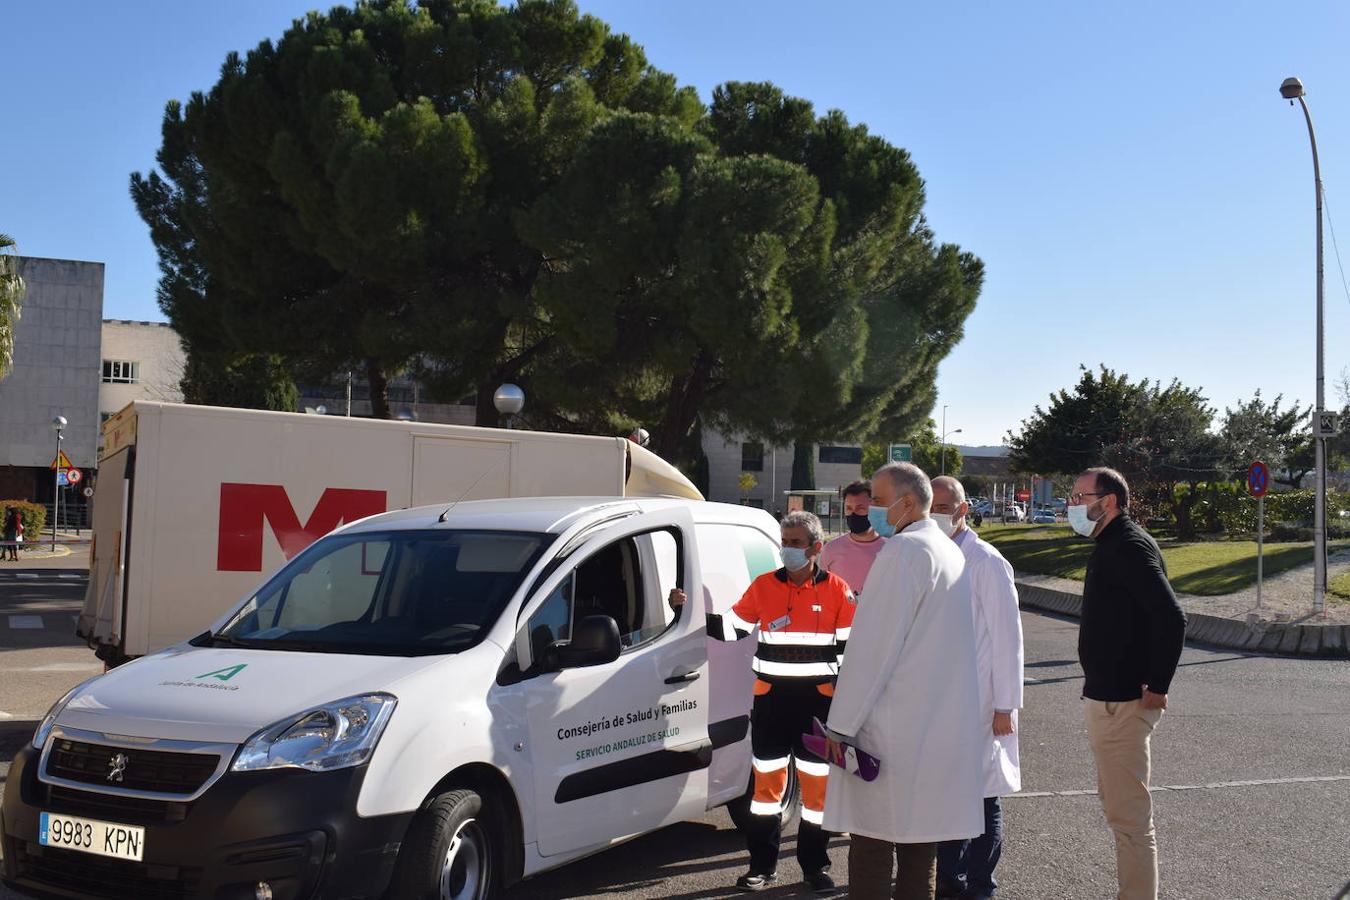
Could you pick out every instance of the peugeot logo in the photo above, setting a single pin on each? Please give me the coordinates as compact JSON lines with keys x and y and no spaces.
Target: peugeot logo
{"x":116,"y":766}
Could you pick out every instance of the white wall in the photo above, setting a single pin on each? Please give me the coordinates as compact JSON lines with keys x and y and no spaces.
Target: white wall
{"x":156,"y":347}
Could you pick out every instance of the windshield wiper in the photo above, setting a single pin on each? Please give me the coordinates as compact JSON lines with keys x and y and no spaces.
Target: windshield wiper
{"x":228,"y":641}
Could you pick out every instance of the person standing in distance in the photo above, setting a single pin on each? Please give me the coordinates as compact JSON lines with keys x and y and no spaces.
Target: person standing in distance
{"x":803,"y":615}
{"x":1129,"y":640}
{"x":965,"y":869}
{"x":909,"y":695}
{"x":850,"y":556}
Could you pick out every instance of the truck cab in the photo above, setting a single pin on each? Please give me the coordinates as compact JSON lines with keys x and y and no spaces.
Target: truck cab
{"x":433,"y":702}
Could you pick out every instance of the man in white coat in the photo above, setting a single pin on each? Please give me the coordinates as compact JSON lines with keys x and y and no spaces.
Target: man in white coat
{"x":966,"y":868}
{"x":908,"y":694}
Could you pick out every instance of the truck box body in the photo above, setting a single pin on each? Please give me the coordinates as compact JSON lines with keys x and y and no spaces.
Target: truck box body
{"x":194,"y":505}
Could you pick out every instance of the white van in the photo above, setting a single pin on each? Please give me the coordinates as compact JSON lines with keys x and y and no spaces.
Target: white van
{"x":426,"y":703}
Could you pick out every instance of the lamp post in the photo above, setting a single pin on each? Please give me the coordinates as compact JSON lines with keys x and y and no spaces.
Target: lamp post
{"x":58,"y":425}
{"x":509,"y":400}
{"x":1292,"y":89}
{"x":942,"y":466}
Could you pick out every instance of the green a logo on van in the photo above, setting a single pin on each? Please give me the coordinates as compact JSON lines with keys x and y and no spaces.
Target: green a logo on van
{"x":226,"y":673}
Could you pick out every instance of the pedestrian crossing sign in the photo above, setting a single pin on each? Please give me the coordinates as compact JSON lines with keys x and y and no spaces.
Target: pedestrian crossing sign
{"x":61,"y":462}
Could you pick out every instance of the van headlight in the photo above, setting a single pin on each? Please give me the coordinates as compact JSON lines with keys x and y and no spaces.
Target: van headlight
{"x":44,"y":728}
{"x":332,"y":736}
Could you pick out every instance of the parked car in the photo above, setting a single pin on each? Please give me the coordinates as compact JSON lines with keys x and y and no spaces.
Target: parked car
{"x":1013,"y":513}
{"x":1044,"y":517}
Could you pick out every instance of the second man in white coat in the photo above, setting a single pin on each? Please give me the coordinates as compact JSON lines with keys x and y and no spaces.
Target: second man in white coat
{"x":965,"y":869}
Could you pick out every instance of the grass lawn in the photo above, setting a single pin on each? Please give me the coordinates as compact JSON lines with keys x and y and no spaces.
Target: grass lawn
{"x":1340,"y":587}
{"x":1208,"y":568}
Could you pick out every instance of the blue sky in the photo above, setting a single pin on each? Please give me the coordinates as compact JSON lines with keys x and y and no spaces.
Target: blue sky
{"x":1138,"y":191}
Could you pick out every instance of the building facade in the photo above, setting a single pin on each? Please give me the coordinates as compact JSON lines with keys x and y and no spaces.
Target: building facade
{"x":140,"y":361}
{"x":731,"y":456}
{"x":56,"y":373}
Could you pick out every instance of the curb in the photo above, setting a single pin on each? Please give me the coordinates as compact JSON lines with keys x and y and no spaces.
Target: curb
{"x":1254,"y":635}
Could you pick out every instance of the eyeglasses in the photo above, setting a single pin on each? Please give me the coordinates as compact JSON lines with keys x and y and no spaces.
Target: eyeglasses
{"x":1074,"y":498}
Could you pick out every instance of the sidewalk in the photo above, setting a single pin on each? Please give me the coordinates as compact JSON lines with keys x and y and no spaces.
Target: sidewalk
{"x":72,"y":552}
{"x":1284,"y":623}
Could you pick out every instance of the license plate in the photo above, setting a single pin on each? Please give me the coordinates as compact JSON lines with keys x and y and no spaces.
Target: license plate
{"x":91,"y":836}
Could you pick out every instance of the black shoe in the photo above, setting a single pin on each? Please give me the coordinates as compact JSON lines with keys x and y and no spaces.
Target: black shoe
{"x":756,"y":881}
{"x":820,"y":882}
{"x":949,"y":889}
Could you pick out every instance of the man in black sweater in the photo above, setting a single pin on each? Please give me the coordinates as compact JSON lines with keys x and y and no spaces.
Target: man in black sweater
{"x":1129,"y":642}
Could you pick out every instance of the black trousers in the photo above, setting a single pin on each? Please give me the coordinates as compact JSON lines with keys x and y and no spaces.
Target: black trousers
{"x":782,"y":714}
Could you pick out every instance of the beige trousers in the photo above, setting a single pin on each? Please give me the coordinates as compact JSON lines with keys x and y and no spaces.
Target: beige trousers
{"x":1119,"y":734}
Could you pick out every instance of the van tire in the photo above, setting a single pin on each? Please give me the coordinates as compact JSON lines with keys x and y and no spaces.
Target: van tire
{"x":739,"y":809}
{"x":453,"y":850}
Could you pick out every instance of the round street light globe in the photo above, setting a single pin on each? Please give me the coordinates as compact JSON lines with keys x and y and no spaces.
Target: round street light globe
{"x":59,"y":424}
{"x":509,"y":399}
{"x":1291,"y":89}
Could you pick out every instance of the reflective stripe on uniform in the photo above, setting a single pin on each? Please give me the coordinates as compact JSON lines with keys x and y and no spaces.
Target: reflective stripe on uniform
{"x":811,"y":767}
{"x":804,"y":670}
{"x":814,"y":816}
{"x":769,"y":765}
{"x":796,"y":637}
{"x":769,"y":790}
{"x":841,"y":634}
{"x":765,"y":809}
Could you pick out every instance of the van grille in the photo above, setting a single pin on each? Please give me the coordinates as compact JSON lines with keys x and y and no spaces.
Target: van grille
{"x":115,"y":808}
{"x":145,"y":770}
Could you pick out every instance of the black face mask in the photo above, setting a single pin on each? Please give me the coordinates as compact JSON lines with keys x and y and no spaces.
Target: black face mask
{"x":858,"y":524}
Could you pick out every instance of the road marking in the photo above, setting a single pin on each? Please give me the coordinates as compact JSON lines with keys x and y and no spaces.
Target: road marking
{"x":70,"y":575}
{"x":17,"y":622}
{"x":1216,"y":785}
{"x":25,"y":575}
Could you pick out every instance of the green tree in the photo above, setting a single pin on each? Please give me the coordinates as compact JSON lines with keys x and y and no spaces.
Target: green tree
{"x":1257,"y":430}
{"x":348,"y":196}
{"x":256,"y":381}
{"x":769,"y":274}
{"x":11,"y":302}
{"x":929,"y":452}
{"x":1069,"y":435}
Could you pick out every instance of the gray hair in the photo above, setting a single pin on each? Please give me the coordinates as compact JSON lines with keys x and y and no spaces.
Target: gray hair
{"x":954,"y":485}
{"x":908,"y":478}
{"x":800,"y":518}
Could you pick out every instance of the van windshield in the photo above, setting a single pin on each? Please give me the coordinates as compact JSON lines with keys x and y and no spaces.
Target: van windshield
{"x":387,"y":593}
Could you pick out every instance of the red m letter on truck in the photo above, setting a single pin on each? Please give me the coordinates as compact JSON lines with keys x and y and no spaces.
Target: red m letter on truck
{"x":244,"y":508}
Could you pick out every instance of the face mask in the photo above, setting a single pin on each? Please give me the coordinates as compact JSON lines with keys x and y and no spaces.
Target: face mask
{"x":877,"y":516}
{"x":946,"y":522}
{"x":1079,"y":521}
{"x":858,"y":523}
{"x":794,"y":558}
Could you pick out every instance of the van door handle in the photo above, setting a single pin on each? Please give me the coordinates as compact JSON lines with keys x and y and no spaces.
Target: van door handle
{"x":683,"y":679}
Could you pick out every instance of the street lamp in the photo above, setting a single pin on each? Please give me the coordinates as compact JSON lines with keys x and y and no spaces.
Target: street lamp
{"x":58,"y":425}
{"x":509,"y":400}
{"x":1291,"y":90}
{"x":943,"y":463}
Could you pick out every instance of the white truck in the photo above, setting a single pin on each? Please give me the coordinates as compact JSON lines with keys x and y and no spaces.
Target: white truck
{"x":194,"y":504}
{"x":430,"y":702}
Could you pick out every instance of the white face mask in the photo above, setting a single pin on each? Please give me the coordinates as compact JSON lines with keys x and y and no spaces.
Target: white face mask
{"x":1079,"y":521}
{"x":945,"y":521}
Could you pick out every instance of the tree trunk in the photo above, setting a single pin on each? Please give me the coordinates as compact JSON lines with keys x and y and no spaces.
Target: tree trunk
{"x":485,"y":413}
{"x":682,"y":410}
{"x":379,"y":389}
{"x":803,"y":468}
{"x":1181,"y":510}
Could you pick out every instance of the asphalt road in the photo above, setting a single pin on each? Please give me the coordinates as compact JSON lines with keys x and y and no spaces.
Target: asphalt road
{"x":1252,"y":766}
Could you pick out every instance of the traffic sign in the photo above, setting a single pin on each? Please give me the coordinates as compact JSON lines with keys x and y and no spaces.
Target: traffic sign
{"x":62,"y":479}
{"x":1258,"y":479}
{"x":902,"y":453}
{"x":1023,"y":496}
{"x":1325,"y":424}
{"x":61,"y":462}
{"x":88,"y":491}
{"x":74,"y":476}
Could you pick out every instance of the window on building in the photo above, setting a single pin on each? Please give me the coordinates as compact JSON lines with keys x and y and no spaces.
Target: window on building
{"x":851,"y":456}
{"x":120,"y":371}
{"x":752,"y":457}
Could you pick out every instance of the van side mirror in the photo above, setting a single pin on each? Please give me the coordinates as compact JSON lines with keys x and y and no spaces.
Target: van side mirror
{"x":595,"y":641}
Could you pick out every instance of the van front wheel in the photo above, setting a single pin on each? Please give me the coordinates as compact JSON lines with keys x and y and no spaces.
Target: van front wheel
{"x":452,"y":852}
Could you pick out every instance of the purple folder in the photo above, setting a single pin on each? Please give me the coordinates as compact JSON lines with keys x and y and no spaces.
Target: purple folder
{"x":856,"y":760}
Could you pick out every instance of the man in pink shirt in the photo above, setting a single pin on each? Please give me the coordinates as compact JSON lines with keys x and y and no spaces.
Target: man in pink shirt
{"x":850,"y":556}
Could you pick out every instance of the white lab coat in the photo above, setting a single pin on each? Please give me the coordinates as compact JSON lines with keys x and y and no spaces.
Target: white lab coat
{"x":907,"y":693}
{"x":998,"y":654}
